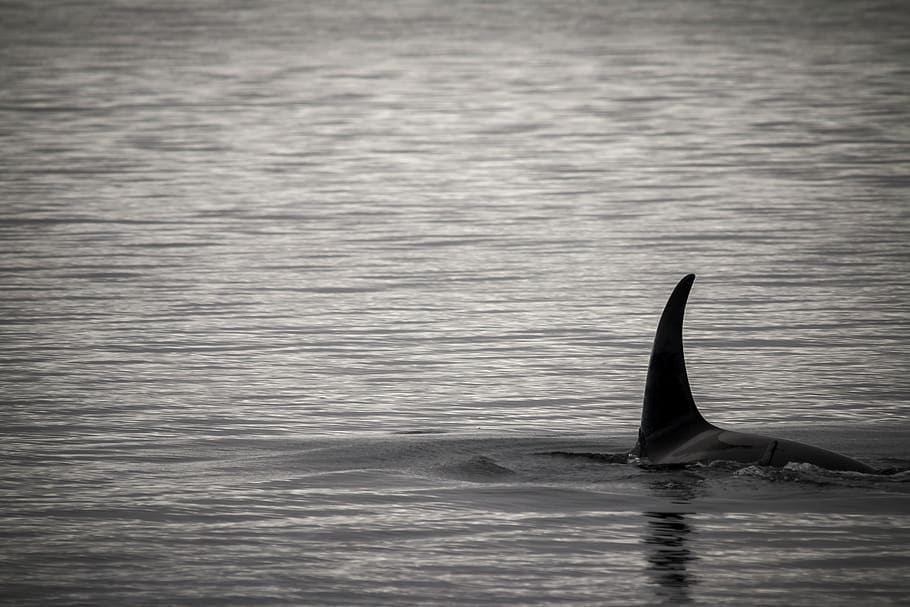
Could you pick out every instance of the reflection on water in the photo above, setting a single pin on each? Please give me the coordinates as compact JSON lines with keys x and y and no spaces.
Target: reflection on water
{"x":665,"y":535}
{"x":363,"y":216}
{"x":668,"y":555}
{"x":677,"y":484}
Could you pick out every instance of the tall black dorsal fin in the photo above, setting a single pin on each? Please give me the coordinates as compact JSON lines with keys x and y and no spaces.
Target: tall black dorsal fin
{"x":669,"y":408}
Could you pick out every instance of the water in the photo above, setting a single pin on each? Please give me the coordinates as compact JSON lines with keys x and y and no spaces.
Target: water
{"x":299,"y":299}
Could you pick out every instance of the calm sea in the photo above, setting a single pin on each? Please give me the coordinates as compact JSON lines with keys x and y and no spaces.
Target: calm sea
{"x":298,"y":298}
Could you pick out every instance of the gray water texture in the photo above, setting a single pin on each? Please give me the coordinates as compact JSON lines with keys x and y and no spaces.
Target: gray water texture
{"x":297,"y":296}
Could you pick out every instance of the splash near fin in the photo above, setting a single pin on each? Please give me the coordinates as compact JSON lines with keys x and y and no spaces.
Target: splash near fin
{"x":669,"y":408}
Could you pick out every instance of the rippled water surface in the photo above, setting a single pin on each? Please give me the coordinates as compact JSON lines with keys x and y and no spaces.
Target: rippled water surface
{"x":299,"y":299}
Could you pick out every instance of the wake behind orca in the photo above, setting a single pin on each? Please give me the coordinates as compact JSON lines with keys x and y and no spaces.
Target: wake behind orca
{"x":674,"y":432}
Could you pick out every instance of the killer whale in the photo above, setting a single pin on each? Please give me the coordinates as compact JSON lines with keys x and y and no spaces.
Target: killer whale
{"x":673,"y":430}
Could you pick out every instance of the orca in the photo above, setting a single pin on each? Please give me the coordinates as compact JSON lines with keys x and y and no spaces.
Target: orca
{"x":672,"y":430}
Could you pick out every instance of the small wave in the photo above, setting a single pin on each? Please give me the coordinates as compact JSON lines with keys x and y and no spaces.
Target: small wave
{"x":801,"y":472}
{"x":798,"y":473}
{"x":608,"y":458}
{"x":896,"y":475}
{"x":478,"y":468}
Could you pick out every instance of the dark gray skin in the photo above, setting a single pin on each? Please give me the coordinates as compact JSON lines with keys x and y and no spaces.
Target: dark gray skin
{"x":674,"y":432}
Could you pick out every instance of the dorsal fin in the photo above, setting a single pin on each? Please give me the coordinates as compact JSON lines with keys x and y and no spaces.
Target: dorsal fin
{"x":669,"y":409}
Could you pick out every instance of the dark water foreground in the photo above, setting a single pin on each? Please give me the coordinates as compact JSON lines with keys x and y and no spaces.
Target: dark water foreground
{"x":440,"y":519}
